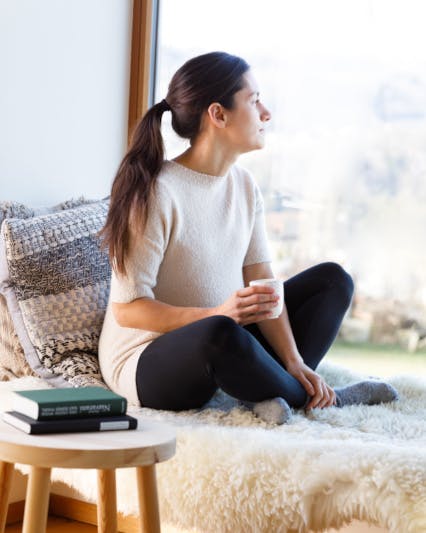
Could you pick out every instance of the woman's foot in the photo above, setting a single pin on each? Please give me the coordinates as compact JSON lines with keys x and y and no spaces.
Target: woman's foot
{"x":365,"y":392}
{"x":273,"y":411}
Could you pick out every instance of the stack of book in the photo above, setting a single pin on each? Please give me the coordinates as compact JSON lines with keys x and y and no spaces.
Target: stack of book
{"x":68,"y":410}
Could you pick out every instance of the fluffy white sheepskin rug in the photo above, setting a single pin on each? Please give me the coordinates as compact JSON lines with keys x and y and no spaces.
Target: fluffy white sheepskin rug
{"x":234,"y":473}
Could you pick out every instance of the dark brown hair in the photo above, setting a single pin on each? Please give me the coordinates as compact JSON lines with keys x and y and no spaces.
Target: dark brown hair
{"x":208,"y":78}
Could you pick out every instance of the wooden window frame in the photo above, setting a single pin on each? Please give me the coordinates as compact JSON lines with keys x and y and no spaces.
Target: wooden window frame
{"x":143,"y":59}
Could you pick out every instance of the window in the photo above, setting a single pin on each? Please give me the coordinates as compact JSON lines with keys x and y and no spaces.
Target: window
{"x":344,"y":170}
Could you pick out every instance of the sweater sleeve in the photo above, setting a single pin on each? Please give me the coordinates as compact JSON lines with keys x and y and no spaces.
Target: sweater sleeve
{"x":258,"y":249}
{"x":147,"y":250}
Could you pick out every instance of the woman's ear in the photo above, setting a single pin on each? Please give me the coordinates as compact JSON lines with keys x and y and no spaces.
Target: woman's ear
{"x":217,"y":115}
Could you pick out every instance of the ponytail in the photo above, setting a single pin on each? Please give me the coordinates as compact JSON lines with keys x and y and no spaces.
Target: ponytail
{"x":133,"y":184}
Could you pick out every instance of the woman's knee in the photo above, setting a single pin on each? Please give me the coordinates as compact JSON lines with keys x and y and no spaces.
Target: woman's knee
{"x":338,"y":277}
{"x":218,"y":329}
{"x":227,"y":339}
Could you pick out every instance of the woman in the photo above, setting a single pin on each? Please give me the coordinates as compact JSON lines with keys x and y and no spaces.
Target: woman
{"x":185,"y":238}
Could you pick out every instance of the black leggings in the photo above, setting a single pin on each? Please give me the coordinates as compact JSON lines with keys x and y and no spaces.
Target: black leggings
{"x":182,"y":369}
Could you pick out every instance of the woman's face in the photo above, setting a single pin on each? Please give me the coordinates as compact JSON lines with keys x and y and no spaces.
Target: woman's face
{"x":246,"y":121}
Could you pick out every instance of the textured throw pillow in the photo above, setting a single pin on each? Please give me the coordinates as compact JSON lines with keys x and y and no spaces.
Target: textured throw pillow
{"x":55,"y":280}
{"x":12,"y":358}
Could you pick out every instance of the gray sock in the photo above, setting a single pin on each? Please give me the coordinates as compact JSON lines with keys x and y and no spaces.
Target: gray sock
{"x":273,"y":411}
{"x":365,"y":392}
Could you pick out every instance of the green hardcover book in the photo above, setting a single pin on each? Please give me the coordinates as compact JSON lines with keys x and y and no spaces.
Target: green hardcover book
{"x":80,"y":402}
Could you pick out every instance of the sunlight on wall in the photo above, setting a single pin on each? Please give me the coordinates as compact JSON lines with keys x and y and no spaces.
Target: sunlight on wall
{"x":63,"y":97}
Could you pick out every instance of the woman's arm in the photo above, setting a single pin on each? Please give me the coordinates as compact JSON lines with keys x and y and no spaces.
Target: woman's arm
{"x":153,"y":315}
{"x":279,"y":334}
{"x":245,"y":306}
{"x":277,"y":331}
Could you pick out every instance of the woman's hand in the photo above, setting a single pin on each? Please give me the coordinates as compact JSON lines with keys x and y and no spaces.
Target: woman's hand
{"x":249,"y":305}
{"x":321,"y":394}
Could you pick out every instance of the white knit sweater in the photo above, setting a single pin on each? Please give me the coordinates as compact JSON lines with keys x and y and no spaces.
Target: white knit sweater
{"x":201,"y":231}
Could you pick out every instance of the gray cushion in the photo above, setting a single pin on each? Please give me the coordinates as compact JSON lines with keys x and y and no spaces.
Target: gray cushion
{"x":56,"y":279}
{"x":12,"y":359}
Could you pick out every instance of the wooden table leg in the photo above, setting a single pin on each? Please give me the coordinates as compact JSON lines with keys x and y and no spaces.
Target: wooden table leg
{"x":148,"y":499}
{"x":37,"y":500}
{"x":107,"y":501}
{"x":6,"y":477}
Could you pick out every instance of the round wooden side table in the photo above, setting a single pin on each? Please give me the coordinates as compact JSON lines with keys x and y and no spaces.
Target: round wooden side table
{"x":142,"y":448}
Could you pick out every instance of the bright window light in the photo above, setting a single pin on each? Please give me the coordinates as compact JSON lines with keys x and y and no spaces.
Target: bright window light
{"x":343,"y":172}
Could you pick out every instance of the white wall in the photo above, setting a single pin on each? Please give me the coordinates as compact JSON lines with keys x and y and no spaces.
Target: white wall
{"x":64,"y":83}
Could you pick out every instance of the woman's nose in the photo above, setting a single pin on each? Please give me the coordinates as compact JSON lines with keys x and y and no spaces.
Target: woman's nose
{"x":265,"y":114}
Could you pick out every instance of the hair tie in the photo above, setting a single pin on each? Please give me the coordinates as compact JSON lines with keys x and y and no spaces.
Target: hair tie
{"x":165,"y":105}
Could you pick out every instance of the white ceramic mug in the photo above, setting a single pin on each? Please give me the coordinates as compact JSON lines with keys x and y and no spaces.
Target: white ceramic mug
{"x":278,"y":286}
